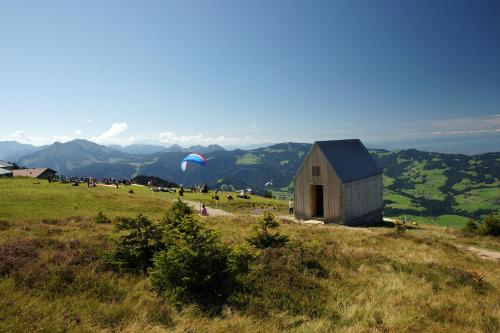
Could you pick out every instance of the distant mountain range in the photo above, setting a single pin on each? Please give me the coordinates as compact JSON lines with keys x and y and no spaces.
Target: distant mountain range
{"x":415,"y":182}
{"x":12,"y":150}
{"x":144,"y":149}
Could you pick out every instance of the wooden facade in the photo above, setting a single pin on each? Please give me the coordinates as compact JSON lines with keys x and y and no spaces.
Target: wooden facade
{"x":362,"y":198}
{"x":305,"y":196}
{"x":321,"y":193}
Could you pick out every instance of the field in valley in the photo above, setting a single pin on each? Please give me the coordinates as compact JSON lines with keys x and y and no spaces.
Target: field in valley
{"x":53,"y":276}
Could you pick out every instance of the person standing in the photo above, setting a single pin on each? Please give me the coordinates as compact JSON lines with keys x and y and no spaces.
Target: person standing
{"x":290,"y":207}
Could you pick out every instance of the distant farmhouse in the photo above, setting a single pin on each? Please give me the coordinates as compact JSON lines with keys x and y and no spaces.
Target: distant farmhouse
{"x":339,"y":182}
{"x":40,"y":173}
{"x":6,"y":169}
{"x":6,"y":165}
{"x":5,"y":173}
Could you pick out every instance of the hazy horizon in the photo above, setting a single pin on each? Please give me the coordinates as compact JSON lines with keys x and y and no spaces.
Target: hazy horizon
{"x":475,"y":147}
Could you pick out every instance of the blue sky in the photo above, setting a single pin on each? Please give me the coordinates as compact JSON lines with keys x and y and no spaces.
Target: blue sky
{"x":244,"y":72}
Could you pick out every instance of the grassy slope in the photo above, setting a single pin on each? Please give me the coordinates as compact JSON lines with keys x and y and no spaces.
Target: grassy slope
{"x":377,"y":280}
{"x":454,"y":186}
{"x":475,"y":199}
{"x":63,"y":200}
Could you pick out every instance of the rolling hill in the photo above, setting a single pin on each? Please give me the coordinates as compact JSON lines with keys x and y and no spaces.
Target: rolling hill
{"x":416,"y":183}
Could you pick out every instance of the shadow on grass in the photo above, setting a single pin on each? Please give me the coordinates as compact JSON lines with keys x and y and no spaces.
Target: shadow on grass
{"x":385,"y":224}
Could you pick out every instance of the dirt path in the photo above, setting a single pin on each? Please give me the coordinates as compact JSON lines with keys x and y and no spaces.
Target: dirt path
{"x":211,"y":211}
{"x":485,"y":254}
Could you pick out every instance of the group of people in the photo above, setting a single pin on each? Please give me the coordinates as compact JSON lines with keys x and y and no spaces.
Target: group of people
{"x":116,"y":181}
{"x":202,"y":189}
{"x":91,"y":181}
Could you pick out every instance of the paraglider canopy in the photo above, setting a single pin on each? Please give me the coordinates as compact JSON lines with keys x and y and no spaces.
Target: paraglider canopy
{"x":193,"y":158}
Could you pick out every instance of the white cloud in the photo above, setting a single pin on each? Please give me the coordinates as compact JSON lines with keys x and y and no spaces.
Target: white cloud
{"x":423,"y":129}
{"x":78,"y":132}
{"x":109,"y":136}
{"x":468,"y":124}
{"x":457,"y":126}
{"x":22,"y":137}
{"x":172,"y":138}
{"x":88,"y":121}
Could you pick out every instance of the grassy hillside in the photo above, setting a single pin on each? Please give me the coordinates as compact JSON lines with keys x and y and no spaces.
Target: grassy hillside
{"x":53,"y":277}
{"x":423,"y":186}
{"x":430,"y":186}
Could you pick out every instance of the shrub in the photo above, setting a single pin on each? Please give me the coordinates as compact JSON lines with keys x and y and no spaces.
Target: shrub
{"x":195,"y":267}
{"x":134,"y":250}
{"x":261,"y":238}
{"x":471,"y":227}
{"x":490,"y":226}
{"x":101,"y":218}
{"x":175,"y":214}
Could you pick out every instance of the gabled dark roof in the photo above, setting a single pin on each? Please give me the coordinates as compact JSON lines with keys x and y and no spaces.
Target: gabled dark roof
{"x":5,"y":172}
{"x":350,"y":159}
{"x":34,"y":172}
{"x":5,"y":164}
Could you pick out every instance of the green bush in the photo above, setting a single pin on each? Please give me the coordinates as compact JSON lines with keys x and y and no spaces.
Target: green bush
{"x":471,"y":227}
{"x":101,"y":218}
{"x":139,"y":241}
{"x":195,"y":267}
{"x":490,"y":226}
{"x":261,"y":238}
{"x":175,"y":214}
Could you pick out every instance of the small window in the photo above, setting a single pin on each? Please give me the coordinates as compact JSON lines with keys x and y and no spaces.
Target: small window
{"x":316,"y":171}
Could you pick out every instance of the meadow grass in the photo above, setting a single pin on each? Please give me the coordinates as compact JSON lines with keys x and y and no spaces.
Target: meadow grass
{"x":479,"y":199}
{"x":53,"y":278}
{"x":427,"y":182}
{"x":248,"y":159}
{"x":255,"y":205}
{"x":400,"y":201}
{"x":29,"y":200}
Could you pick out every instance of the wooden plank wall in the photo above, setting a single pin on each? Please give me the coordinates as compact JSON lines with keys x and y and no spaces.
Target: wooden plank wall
{"x":332,"y":188}
{"x":363,"y":196}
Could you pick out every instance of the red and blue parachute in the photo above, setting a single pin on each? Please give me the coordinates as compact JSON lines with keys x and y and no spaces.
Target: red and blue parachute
{"x":193,"y":158}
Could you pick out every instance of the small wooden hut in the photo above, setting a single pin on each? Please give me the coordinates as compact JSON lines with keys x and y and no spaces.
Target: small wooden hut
{"x":40,"y":173}
{"x":339,"y":182}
